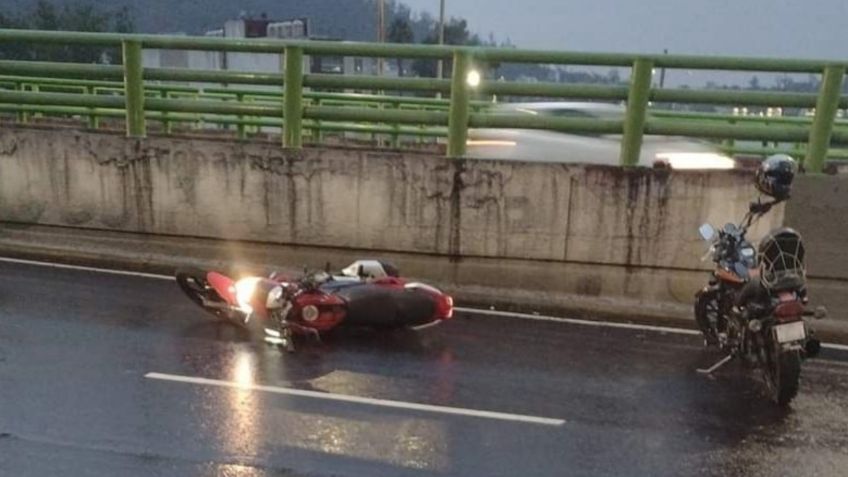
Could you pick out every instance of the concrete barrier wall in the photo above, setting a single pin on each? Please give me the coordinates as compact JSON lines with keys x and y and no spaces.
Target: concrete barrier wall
{"x":386,"y":201}
{"x":819,"y":211}
{"x":550,"y":229}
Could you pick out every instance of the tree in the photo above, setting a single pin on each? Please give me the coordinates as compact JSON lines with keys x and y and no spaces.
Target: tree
{"x":400,"y":31}
{"x":83,"y":17}
{"x":45,"y":16}
{"x":13,"y":51}
{"x":76,"y":17}
{"x":123,"y":21}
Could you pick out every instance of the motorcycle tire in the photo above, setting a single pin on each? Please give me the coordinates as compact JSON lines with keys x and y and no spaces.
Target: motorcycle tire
{"x":784,"y":374}
{"x":706,"y":304}
{"x":192,"y":281}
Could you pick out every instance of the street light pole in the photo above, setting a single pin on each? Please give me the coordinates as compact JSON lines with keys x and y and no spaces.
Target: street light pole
{"x":381,"y":32}
{"x":440,"y":67}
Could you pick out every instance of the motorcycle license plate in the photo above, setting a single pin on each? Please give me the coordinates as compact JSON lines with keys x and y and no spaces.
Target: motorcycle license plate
{"x":790,"y":332}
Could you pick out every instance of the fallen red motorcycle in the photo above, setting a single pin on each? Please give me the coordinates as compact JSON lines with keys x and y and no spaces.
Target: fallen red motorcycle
{"x":367,"y":293}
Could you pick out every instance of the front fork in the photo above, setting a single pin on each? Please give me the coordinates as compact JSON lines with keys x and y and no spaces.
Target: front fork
{"x":281,"y":335}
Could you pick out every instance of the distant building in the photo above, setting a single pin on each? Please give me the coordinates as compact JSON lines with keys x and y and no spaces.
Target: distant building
{"x":299,"y":29}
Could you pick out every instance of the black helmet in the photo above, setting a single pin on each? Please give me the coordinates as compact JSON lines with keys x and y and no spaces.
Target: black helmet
{"x":775,"y":175}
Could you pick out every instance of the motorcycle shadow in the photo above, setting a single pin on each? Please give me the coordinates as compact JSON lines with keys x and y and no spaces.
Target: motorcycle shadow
{"x":384,"y":340}
{"x":735,"y":394}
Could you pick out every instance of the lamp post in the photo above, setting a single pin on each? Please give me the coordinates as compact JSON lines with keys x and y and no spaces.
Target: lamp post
{"x":441,"y":65}
{"x":381,"y":31}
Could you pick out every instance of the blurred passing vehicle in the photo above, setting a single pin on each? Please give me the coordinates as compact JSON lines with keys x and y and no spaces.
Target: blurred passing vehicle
{"x":554,"y":146}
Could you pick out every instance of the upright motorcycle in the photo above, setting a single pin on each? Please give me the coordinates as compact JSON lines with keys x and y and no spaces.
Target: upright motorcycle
{"x":755,"y":303}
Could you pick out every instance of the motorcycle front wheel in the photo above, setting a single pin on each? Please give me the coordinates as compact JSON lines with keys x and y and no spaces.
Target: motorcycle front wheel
{"x":707,"y":316}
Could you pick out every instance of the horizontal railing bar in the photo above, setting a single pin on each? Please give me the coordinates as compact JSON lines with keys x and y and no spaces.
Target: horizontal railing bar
{"x":376,"y":115}
{"x":729,"y":97}
{"x":214,"y":107}
{"x":376,"y":83}
{"x":725,"y":131}
{"x":213,"y":76}
{"x":344,"y":48}
{"x":78,"y":70}
{"x":62,"y":99}
{"x":527,"y":121}
{"x":583,"y":91}
{"x":715,"y":117}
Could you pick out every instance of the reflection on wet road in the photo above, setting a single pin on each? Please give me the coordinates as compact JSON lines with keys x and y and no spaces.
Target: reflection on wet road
{"x":75,"y":348}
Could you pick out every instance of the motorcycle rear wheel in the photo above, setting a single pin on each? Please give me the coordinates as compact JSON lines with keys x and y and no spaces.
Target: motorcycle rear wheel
{"x":783,"y":375}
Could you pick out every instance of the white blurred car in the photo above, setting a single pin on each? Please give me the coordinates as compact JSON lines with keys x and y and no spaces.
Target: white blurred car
{"x":553,"y":146}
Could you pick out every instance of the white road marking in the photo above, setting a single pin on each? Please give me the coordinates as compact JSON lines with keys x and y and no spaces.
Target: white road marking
{"x":361,"y":400}
{"x":480,"y":311}
{"x":86,"y":269}
{"x":835,"y":346}
{"x":575,"y":321}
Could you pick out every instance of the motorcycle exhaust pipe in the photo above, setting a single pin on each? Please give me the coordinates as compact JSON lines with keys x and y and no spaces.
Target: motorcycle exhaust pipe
{"x":812,"y":348}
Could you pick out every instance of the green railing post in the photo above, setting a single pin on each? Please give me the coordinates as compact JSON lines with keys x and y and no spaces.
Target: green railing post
{"x":34,"y":88}
{"x":22,"y":116}
{"x":459,"y":101}
{"x":637,"y":108}
{"x":134,"y":88}
{"x":293,"y":98}
{"x":167,"y":125}
{"x":93,"y":121}
{"x":319,"y":136}
{"x":242,"y":129}
{"x":826,"y":107}
{"x":395,"y":137}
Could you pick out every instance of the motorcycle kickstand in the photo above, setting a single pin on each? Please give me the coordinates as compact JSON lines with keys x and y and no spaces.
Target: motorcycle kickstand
{"x":716,"y":366}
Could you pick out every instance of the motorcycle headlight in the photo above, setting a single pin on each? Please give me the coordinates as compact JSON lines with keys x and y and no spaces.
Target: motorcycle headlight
{"x":696,"y":160}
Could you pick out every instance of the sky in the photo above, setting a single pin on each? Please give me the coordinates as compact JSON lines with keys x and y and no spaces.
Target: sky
{"x":816,"y":29}
{"x":794,"y":28}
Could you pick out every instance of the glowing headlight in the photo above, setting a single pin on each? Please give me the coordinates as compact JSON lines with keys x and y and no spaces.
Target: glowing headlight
{"x":245,"y":288}
{"x":696,"y":160}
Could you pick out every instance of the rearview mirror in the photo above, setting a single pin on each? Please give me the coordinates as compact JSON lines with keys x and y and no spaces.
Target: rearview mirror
{"x":707,"y":232}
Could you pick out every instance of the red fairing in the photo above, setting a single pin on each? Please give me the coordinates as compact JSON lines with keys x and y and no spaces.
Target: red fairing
{"x":331,"y":310}
{"x":223,"y":285}
{"x":444,"y":307}
{"x":444,"y":302}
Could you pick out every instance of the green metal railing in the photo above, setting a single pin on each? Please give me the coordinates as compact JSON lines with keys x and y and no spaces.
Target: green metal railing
{"x":141,"y":97}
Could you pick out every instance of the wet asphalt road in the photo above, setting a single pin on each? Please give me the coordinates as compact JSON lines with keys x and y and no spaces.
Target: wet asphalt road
{"x":75,"y":348}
